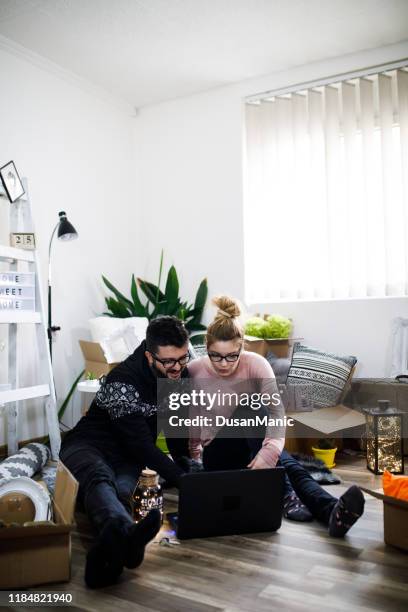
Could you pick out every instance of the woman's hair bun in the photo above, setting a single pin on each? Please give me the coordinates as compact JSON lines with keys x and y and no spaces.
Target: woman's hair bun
{"x":227,"y":307}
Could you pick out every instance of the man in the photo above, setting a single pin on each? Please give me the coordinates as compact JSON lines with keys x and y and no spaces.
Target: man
{"x":116,"y":439}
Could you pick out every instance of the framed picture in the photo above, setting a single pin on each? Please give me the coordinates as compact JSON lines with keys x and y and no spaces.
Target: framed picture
{"x":11,"y":182}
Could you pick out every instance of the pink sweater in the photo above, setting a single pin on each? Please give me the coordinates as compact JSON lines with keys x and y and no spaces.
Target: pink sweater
{"x":250,"y":366}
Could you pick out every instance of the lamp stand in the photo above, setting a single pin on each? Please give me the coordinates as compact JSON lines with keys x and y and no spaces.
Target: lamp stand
{"x":51,"y":328}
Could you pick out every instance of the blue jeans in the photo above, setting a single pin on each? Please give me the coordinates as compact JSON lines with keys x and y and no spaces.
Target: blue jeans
{"x":316,"y":499}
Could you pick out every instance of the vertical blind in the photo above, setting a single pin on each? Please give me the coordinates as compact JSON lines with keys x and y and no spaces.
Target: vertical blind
{"x":326,"y":191}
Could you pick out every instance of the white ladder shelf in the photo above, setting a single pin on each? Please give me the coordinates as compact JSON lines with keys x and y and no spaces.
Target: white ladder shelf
{"x":21,"y":221}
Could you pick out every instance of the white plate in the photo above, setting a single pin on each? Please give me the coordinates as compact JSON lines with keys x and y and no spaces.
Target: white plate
{"x":38,"y":495}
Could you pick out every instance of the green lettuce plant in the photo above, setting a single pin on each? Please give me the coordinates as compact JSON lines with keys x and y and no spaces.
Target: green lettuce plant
{"x":278,"y":327}
{"x":255,"y":326}
{"x":274,"y":326}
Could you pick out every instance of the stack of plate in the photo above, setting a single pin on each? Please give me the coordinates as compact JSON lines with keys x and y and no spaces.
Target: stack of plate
{"x":22,"y":500}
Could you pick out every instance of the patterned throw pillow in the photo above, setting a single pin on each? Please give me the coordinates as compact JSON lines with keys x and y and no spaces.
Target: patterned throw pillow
{"x":320,"y":376}
{"x":26,"y":462}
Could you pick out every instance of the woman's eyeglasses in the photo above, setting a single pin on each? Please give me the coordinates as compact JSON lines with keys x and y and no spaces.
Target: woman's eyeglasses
{"x":217,"y":357}
{"x":170,"y":363}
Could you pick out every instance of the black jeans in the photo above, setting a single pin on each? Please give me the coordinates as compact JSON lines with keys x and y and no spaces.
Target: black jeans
{"x":106,"y":481}
{"x":236,"y":453}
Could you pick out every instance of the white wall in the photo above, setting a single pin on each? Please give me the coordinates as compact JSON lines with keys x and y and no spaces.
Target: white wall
{"x":77,"y":151}
{"x":190,"y":164}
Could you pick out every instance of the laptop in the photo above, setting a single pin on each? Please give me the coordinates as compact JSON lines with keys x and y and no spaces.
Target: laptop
{"x":230,"y":502}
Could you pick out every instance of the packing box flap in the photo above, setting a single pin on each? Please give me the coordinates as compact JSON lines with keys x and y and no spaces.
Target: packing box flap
{"x":66,"y":490}
{"x":97,"y":369}
{"x":330,"y":419}
{"x":95,"y":359}
{"x":394,"y":501}
{"x":92,"y":351}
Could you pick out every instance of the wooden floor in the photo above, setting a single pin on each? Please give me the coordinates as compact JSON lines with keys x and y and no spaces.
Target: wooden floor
{"x":297,"y":568}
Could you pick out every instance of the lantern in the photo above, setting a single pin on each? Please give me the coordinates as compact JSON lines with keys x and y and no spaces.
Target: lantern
{"x":384,"y":439}
{"x":147,"y":495}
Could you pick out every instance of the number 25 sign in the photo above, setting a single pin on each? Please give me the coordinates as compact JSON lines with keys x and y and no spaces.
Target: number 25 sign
{"x":23,"y":241}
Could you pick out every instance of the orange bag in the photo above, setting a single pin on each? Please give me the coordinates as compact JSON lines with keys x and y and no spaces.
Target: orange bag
{"x":395,"y":486}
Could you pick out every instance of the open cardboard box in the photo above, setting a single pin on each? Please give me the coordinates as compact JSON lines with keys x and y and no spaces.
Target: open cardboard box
{"x":336,"y":422}
{"x":40,"y":554}
{"x":281,"y":347}
{"x":95,"y":360}
{"x":330,"y":420}
{"x":395,"y":519}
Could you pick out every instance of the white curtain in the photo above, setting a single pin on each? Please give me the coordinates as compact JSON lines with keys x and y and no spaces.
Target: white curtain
{"x":399,"y":335}
{"x":326,"y":191}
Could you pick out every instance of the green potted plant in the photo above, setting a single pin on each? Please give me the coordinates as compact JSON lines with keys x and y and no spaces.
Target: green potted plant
{"x":157,"y":301}
{"x":272,"y":327}
{"x":326,"y":451}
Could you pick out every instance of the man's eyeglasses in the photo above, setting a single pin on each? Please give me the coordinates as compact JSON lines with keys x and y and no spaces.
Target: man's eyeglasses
{"x":170,"y":363}
{"x":217,"y":357}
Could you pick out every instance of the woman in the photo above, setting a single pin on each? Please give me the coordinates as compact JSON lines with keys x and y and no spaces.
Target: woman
{"x":227,"y":360}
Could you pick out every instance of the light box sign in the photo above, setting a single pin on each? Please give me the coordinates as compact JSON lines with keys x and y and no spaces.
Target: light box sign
{"x":11,"y":304}
{"x":17,"y":291}
{"x":17,"y":278}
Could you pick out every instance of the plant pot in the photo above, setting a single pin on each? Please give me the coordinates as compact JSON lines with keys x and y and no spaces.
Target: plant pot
{"x":326,"y":455}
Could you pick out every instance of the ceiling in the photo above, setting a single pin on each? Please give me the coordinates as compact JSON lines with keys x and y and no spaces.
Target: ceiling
{"x":148,"y":51}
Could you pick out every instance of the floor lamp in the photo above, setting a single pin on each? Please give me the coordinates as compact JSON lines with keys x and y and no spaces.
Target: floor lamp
{"x":65,"y":231}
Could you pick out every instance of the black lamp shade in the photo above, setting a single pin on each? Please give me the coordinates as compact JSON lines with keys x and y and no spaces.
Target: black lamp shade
{"x":66,"y":230}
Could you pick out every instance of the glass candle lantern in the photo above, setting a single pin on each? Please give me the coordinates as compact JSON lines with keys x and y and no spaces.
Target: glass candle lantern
{"x":384,"y":439}
{"x":147,"y":495}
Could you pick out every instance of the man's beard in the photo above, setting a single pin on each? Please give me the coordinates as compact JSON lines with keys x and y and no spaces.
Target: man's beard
{"x":158,"y":372}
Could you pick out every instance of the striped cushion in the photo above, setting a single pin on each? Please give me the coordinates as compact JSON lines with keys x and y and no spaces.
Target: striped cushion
{"x":320,"y":376}
{"x":26,"y":462}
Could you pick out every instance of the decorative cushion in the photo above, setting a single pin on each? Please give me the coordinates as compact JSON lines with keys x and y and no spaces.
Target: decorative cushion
{"x":320,"y":376}
{"x":26,"y":462}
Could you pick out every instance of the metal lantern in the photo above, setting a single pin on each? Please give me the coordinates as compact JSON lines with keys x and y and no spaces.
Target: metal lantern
{"x":384,"y":439}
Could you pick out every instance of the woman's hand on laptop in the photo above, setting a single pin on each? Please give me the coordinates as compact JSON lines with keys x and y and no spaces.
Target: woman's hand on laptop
{"x":267,"y":456}
{"x":258,"y":463}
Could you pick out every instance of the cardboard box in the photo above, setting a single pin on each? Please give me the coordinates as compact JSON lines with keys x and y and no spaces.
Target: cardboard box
{"x":331,"y":419}
{"x":336,"y":422}
{"x":95,"y":360}
{"x":282,"y":347}
{"x":395,"y":519}
{"x":40,"y":554}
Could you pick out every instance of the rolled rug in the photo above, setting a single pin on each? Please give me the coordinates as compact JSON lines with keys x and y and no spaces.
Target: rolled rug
{"x":28,"y":461}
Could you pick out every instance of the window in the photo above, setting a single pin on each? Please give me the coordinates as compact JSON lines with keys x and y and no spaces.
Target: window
{"x":326,"y":191}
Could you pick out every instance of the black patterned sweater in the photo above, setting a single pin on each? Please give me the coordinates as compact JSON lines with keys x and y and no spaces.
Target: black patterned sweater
{"x":122,"y":418}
